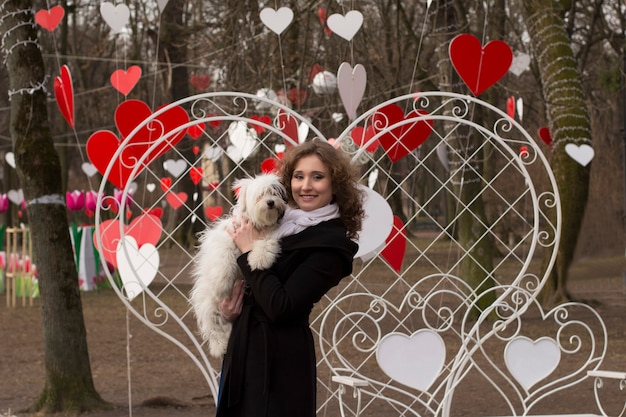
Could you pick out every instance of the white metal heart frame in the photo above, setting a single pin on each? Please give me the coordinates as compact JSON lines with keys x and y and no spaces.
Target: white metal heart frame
{"x":437,"y":167}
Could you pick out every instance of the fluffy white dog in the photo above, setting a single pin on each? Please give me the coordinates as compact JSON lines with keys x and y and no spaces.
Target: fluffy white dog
{"x":262,"y":200}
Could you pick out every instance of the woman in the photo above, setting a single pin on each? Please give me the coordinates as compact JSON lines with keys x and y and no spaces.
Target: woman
{"x":269,"y":367}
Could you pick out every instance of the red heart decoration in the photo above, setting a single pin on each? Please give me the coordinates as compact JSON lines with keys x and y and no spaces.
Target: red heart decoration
{"x":64,"y":93}
{"x":316,"y":67}
{"x":259,"y":128}
{"x":213,"y":186}
{"x":523,"y":151}
{"x":215,"y":123}
{"x":157,"y":211}
{"x":200,"y":82}
{"x":196,"y":174}
{"x":50,"y":19}
{"x":321,"y":15}
{"x":125,"y":81}
{"x":130,"y":113}
{"x":361,"y":136}
{"x":196,"y":130}
{"x":296,"y":96}
{"x":269,"y":165}
{"x":401,"y":140}
{"x":395,"y":246}
{"x":166,"y":183}
{"x":195,"y":150}
{"x":479,"y":67}
{"x":213,"y":213}
{"x":289,"y":126}
{"x":510,"y":107}
{"x":101,"y":148}
{"x":176,"y":200}
{"x":144,"y":229}
{"x":103,"y":145}
{"x":544,"y":134}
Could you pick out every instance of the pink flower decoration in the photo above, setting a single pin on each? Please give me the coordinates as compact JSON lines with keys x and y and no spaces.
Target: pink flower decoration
{"x":13,"y":262}
{"x":117,"y":194}
{"x":91,"y":197}
{"x":75,"y":200}
{"x":4,"y":203}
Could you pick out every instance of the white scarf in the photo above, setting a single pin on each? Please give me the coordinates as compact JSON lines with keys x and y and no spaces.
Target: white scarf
{"x":296,"y":220}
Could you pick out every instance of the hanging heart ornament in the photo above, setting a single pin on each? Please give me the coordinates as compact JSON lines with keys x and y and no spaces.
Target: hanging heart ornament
{"x":479,"y":67}
{"x":64,"y":93}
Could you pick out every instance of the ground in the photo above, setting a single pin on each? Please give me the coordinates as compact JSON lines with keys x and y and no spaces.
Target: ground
{"x":164,"y":382}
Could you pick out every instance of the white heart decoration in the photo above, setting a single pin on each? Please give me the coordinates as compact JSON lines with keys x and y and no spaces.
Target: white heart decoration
{"x":414,"y":361}
{"x":89,"y":169}
{"x":137,"y":266}
{"x":345,"y":26}
{"x":442,"y":154}
{"x":132,"y":188}
{"x":175,"y":167}
{"x":234,"y":153}
{"x":10,"y":158}
{"x":337,"y":117}
{"x":151,"y":186}
{"x":303,"y":132}
{"x":372,"y":178}
{"x":277,"y":20}
{"x":351,"y":83}
{"x":162,"y":4}
{"x":280,"y":148}
{"x":213,"y":152}
{"x":521,"y":62}
{"x":520,"y":108}
{"x":115,"y":16}
{"x":242,"y":138}
{"x":377,"y":222}
{"x":16,"y":197}
{"x":582,"y":154}
{"x":529,"y":362}
{"x":324,"y":83}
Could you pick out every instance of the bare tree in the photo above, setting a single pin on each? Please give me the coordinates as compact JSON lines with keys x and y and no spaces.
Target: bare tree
{"x":69,"y":385}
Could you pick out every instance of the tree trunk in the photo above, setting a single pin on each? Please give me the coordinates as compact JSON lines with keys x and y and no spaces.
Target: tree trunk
{"x":568,"y":120}
{"x":69,"y":385}
{"x":174,"y":41}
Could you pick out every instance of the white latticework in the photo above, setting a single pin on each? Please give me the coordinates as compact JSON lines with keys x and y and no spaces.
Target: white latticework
{"x":476,"y":207}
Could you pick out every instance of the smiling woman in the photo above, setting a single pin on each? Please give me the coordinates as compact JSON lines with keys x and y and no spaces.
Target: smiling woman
{"x":311,"y":184}
{"x":270,"y":365}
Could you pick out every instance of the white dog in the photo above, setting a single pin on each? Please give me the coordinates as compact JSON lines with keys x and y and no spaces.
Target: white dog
{"x":262,"y":200}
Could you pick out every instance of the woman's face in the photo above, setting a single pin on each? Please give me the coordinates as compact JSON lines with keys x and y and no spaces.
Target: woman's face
{"x":311,"y":185}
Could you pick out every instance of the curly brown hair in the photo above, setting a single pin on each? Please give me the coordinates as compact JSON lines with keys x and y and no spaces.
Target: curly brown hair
{"x":347,"y":195}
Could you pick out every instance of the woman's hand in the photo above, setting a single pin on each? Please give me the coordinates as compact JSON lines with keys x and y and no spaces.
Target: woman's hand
{"x":231,"y":307}
{"x":244,"y":235}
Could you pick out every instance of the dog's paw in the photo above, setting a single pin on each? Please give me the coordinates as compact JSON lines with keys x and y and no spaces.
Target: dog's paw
{"x":217,"y":347}
{"x":263,"y":254}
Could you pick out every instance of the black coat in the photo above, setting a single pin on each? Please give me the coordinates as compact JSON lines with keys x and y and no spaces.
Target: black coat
{"x":269,"y":366}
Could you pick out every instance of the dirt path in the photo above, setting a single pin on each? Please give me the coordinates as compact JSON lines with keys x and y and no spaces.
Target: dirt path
{"x":162,"y":375}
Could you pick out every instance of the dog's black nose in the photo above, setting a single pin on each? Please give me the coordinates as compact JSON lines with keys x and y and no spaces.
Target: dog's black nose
{"x":270,"y":203}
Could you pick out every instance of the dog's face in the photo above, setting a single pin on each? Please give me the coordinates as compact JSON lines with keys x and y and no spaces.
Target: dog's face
{"x":262,"y":199}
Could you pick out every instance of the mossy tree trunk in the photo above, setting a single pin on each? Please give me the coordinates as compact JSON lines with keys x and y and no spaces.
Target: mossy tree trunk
{"x":568,"y":120}
{"x":68,"y":385}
